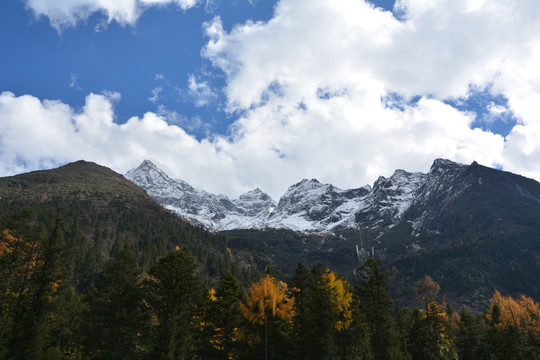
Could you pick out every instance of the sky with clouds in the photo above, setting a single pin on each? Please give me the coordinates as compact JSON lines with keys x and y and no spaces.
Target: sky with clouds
{"x":233,"y":95}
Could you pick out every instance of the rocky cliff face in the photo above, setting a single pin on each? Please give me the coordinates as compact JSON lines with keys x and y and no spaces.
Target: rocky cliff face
{"x":311,"y":206}
{"x":215,"y":212}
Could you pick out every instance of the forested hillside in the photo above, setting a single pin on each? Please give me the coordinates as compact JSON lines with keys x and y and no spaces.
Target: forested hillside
{"x":100,"y":211}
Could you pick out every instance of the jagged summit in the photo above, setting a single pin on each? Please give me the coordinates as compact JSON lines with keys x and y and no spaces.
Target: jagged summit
{"x":215,"y":212}
{"x":309,"y":205}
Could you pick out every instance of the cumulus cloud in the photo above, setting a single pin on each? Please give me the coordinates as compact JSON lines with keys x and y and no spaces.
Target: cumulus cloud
{"x":312,"y":78}
{"x":335,"y":90}
{"x":39,"y":134}
{"x":67,"y":13}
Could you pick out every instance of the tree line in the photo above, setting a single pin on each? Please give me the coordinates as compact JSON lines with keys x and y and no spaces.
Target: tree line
{"x":167,"y":311}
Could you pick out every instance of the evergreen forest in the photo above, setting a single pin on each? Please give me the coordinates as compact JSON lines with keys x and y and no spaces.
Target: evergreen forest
{"x":130,"y":306}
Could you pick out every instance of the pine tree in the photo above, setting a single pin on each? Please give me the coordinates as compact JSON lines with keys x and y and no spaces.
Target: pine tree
{"x":299,"y":291}
{"x":115,"y":319}
{"x":321,"y":332}
{"x":469,"y":337}
{"x":223,"y":318}
{"x":375,"y":305}
{"x":174,"y":292}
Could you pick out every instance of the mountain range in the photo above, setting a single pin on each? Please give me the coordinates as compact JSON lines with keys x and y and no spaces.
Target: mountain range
{"x":308,"y":206}
{"x":421,"y":200}
{"x":473,"y":229}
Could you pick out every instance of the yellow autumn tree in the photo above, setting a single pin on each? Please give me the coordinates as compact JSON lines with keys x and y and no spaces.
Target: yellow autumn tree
{"x":426,"y":290}
{"x":440,"y":342}
{"x":521,"y":313}
{"x":341,"y":297}
{"x":267,"y":298}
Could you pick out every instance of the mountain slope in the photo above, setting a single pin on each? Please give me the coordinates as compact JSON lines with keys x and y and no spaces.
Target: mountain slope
{"x":212,"y":211}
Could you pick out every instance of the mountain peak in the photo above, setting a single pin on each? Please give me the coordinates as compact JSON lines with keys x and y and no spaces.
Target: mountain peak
{"x":147,"y":164}
{"x":312,"y":206}
{"x":145,"y":169}
{"x":439,"y":164}
{"x":307,"y":182}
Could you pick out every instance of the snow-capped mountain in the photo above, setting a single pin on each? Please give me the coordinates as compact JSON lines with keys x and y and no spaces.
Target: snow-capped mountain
{"x":310,"y":205}
{"x":215,"y":212}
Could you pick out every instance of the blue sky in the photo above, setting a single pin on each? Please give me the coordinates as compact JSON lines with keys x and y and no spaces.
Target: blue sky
{"x":161,"y":50}
{"x":267,"y":92}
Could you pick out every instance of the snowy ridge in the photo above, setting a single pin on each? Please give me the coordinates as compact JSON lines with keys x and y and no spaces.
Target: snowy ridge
{"x":215,"y":212}
{"x":309,"y":205}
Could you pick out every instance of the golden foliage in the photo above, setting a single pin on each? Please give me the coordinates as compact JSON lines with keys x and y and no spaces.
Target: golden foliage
{"x":266,"y":298}
{"x":341,"y":295}
{"x":522,"y":313}
{"x":212,"y":294}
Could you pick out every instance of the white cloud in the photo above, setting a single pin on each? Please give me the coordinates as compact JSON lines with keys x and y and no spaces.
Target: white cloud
{"x":201,"y":92}
{"x":155,"y":94}
{"x":73,"y":83}
{"x":191,"y":125}
{"x":323,"y":66}
{"x":41,"y":134}
{"x":112,"y":96}
{"x":67,"y":13}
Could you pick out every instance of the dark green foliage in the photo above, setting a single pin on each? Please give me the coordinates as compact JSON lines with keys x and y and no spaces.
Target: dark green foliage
{"x":222,"y":320}
{"x":115,"y":320}
{"x":174,"y":292}
{"x":469,"y":342}
{"x":38,"y":301}
{"x":375,"y":306}
{"x":299,"y":290}
{"x":402,"y":322}
{"x":320,"y":331}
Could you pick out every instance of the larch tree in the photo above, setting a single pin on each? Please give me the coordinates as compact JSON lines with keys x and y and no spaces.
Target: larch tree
{"x":267,"y":299}
{"x":426,"y":290}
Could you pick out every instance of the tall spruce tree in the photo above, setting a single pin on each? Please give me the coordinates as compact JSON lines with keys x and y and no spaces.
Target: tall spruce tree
{"x":320,"y":327}
{"x":174,"y":293}
{"x":115,"y":319}
{"x":222,"y":320}
{"x":375,"y":306}
{"x":299,"y":291}
{"x":469,"y":337}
